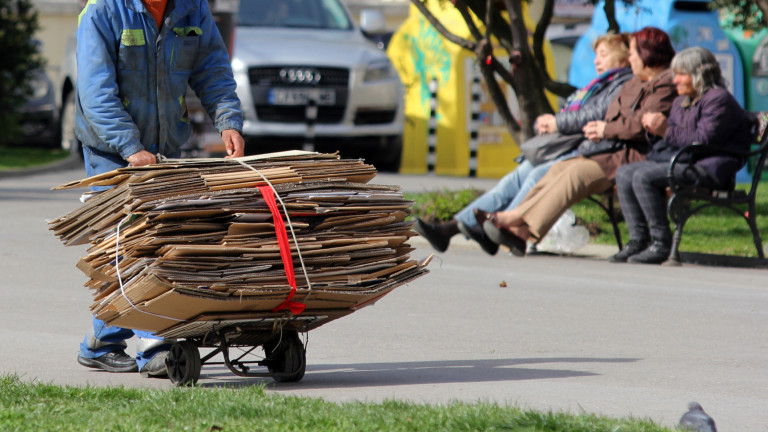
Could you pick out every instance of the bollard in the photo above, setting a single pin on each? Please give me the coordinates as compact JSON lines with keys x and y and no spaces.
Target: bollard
{"x":474,"y":125}
{"x":432,"y":134}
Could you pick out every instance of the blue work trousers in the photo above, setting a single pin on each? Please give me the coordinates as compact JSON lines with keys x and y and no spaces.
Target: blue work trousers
{"x":111,"y":338}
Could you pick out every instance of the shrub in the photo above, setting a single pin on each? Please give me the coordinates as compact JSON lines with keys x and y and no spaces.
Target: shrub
{"x":18,"y":24}
{"x":440,"y":206}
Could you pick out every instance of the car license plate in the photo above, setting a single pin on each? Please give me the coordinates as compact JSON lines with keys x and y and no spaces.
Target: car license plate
{"x":301,"y":96}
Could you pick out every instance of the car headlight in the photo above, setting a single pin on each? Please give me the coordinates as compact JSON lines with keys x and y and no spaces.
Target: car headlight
{"x":39,"y":85}
{"x":238,"y":65}
{"x":377,"y":71}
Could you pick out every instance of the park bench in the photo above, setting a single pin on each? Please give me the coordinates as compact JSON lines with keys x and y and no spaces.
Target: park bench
{"x":687,"y":200}
{"x":607,"y":202}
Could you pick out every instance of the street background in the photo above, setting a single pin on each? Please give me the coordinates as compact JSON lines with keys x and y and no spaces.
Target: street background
{"x":577,"y":333}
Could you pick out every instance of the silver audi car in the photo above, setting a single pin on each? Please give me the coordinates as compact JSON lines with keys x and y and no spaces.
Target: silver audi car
{"x":308,"y":76}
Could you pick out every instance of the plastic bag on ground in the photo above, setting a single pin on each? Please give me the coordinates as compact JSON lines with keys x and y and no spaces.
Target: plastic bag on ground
{"x":564,"y":236}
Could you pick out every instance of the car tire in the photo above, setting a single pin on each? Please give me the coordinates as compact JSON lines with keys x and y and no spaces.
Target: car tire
{"x":67,"y":138}
{"x":388,"y":156}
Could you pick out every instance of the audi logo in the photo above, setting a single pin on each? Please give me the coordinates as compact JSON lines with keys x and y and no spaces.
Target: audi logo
{"x":300,"y":75}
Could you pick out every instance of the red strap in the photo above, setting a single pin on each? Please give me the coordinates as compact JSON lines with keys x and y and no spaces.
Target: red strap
{"x":285,"y":252}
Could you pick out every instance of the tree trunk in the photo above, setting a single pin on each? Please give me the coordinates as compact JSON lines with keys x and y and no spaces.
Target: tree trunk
{"x":610,"y":15}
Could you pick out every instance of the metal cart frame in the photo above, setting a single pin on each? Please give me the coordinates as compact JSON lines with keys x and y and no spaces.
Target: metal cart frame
{"x":277,"y":333}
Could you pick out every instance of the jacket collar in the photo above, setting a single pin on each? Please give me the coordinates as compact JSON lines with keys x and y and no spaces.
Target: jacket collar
{"x":664,"y":78}
{"x":176,"y":9}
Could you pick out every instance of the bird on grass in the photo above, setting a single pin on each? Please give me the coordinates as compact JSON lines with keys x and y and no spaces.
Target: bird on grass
{"x":697,"y":420}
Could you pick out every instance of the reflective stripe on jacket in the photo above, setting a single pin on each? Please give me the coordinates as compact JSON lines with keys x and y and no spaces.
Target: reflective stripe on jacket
{"x":132,"y":78}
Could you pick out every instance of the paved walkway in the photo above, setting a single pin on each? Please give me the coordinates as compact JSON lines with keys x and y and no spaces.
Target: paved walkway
{"x":549,"y":333}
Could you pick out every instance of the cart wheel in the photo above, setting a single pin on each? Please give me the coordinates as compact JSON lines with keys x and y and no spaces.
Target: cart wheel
{"x":286,"y":357}
{"x":183,"y":363}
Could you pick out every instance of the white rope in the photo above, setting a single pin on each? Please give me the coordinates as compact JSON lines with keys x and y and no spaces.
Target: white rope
{"x":120,"y":279}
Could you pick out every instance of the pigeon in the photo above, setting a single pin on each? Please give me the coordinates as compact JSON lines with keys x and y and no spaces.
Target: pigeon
{"x":697,"y":420}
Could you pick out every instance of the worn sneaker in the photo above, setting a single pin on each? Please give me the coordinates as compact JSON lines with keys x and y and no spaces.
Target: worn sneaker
{"x":155,"y":367}
{"x":656,"y":253}
{"x":115,"y":361}
{"x":633,"y":247}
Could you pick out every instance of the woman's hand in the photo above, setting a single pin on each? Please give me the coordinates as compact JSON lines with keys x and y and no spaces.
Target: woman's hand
{"x":594,"y":130}
{"x":655,"y":123}
{"x":545,"y":124}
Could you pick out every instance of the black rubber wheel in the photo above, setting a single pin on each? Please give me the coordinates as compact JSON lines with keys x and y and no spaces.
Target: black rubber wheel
{"x":183,"y":363}
{"x":286,"y":357}
{"x":388,"y":157}
{"x":67,"y":139}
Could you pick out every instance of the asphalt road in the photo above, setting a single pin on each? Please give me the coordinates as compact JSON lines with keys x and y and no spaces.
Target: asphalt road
{"x":566,"y":333}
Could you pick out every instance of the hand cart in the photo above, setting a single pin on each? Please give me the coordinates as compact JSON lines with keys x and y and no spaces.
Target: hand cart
{"x":277,"y":333}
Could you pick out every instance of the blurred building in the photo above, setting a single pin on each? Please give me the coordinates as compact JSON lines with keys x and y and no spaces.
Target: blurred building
{"x":57,"y":19}
{"x":394,"y":11}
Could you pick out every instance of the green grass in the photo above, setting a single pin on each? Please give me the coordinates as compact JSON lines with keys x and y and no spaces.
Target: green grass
{"x":441,"y":205}
{"x":15,"y":157}
{"x":38,"y":407}
{"x":715,"y":231}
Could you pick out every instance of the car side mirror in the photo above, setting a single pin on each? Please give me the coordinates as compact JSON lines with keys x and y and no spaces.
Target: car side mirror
{"x":372,"y":21}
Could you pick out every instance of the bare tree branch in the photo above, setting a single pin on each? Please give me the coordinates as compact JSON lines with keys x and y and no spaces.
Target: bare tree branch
{"x":488,"y":64}
{"x":464,"y":11}
{"x":527,"y":71}
{"x":541,"y":28}
{"x":610,"y":14}
{"x":464,"y":43}
{"x":558,"y":88}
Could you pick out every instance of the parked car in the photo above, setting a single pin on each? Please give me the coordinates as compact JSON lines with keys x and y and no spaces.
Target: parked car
{"x":65,"y":96}
{"x":38,"y":115}
{"x":291,"y":53}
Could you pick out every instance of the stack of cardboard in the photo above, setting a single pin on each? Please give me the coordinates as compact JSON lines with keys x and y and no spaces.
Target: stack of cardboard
{"x":186,"y":238}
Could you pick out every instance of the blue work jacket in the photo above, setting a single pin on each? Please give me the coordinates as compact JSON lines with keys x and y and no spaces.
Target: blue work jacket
{"x":132,"y":78}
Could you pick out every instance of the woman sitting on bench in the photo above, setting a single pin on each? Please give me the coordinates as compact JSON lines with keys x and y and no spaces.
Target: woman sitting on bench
{"x":589,"y":103}
{"x":704,"y":113}
{"x":618,"y":139}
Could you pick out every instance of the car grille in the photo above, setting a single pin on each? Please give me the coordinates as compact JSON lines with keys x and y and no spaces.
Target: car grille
{"x":270,"y":76}
{"x":297,"y":114}
{"x":264,"y":78}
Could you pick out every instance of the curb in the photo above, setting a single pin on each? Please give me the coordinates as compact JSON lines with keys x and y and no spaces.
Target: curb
{"x":73,"y":161}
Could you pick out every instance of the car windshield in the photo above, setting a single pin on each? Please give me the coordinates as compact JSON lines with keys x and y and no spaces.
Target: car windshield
{"x":320,"y":14}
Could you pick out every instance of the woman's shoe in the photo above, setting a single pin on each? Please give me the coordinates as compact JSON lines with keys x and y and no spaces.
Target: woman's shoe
{"x":656,"y":253}
{"x":477,"y":234}
{"x":481,"y":216}
{"x":633,"y":247}
{"x":504,"y":237}
{"x":433,"y":235}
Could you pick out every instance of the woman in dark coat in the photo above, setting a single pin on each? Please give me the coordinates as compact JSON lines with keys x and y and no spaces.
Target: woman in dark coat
{"x":705,"y":113}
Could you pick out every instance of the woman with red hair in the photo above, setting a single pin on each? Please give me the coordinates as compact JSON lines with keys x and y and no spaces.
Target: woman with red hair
{"x":618,"y":139}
